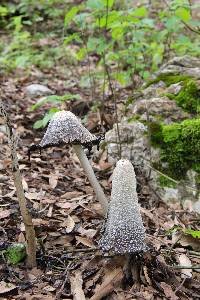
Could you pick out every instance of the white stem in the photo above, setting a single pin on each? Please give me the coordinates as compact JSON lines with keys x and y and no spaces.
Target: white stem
{"x":91,"y":176}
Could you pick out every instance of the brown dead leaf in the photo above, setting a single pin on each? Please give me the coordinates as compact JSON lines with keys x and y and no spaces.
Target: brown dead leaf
{"x":53,"y":181}
{"x":76,"y":282}
{"x":5,"y":213}
{"x":6,"y":287}
{"x":71,"y":195}
{"x":90,"y":233}
{"x":185,"y":261}
{"x":85,"y":241}
{"x":33,"y":196}
{"x":187,"y":240}
{"x":21,"y":238}
{"x":169,"y":293}
{"x":69,"y":223}
{"x":25,"y":184}
{"x":111,"y":279}
{"x":38,"y":222}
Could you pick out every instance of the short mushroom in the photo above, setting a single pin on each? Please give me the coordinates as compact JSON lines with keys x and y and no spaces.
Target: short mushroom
{"x":65,"y":128}
{"x":124,"y":231}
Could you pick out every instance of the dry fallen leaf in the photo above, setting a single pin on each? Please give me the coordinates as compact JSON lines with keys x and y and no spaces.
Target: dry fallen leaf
{"x":71,"y":195}
{"x":185,"y":261}
{"x":53,"y":181}
{"x":169,"y":293}
{"x":6,"y":287}
{"x":69,"y":223}
{"x":5,"y":213}
{"x":85,"y":241}
{"x":76,"y":282}
{"x":90,"y":233}
{"x":112,"y":278}
{"x":25,"y":185}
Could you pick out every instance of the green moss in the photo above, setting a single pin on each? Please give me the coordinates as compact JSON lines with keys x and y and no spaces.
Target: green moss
{"x":166,"y":182}
{"x":168,"y":79}
{"x":189,"y":97}
{"x":180,"y":146}
{"x":156,"y":134}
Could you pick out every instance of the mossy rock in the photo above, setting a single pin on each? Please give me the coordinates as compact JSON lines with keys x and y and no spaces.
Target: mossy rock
{"x":189,"y":96}
{"x":15,"y":253}
{"x":180,"y":146}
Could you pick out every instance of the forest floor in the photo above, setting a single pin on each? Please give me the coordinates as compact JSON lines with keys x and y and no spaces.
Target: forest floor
{"x":68,"y":219}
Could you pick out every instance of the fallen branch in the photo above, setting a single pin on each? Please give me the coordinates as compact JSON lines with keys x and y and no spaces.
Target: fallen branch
{"x":27,"y":219}
{"x":195,"y":267}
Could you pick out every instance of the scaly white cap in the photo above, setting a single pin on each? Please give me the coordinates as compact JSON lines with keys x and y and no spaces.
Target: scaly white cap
{"x":124,"y":230}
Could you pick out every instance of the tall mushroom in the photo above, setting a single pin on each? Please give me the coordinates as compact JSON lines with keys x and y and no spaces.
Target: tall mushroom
{"x":65,"y":128}
{"x":124,"y":231}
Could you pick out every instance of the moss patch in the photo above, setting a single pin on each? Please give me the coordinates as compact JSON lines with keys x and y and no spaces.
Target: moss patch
{"x":168,"y":79}
{"x":166,"y":182}
{"x":189,"y":97}
{"x":180,"y":146}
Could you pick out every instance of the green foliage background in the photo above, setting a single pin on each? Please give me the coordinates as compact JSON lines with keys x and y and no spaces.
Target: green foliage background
{"x":134,"y":40}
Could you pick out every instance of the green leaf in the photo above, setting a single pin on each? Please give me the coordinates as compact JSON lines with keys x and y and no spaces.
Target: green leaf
{"x":139,"y":12}
{"x":183,"y":14}
{"x":47,"y":117}
{"x":74,"y":36}
{"x":3,"y":11}
{"x":81,"y":54}
{"x":69,"y":16}
{"x":55,"y":99}
{"x":95,"y":4}
{"x":193,"y":233}
{"x":15,"y":253}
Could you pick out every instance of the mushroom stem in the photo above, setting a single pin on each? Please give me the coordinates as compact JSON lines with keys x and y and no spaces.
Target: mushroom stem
{"x":91,"y":176}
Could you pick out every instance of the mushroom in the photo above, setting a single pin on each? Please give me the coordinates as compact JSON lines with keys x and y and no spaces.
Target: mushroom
{"x":65,"y":128}
{"x":124,"y":231}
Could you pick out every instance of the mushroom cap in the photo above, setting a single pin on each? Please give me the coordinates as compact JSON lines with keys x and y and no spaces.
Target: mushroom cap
{"x":66,"y":128}
{"x":124,"y":231}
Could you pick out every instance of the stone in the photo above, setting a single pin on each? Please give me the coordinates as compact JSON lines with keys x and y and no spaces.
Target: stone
{"x":36,"y":90}
{"x":174,"y":88}
{"x":185,"y":65}
{"x":159,"y":108}
{"x":132,"y":139}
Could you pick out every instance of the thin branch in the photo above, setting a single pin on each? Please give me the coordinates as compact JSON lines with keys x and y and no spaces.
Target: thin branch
{"x":177,"y":267}
{"x":27,"y":219}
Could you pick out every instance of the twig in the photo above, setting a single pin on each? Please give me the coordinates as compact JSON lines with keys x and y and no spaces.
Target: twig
{"x":82,"y":250}
{"x":65,"y":273}
{"x":27,"y":219}
{"x":195,"y":253}
{"x":170,"y":178}
{"x":195,"y":267}
{"x":190,"y":27}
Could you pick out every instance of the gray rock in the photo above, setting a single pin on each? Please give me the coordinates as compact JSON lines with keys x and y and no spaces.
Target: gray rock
{"x":35,"y":90}
{"x":174,"y":88}
{"x":132,"y":139}
{"x":185,"y":65}
{"x":159,"y":108}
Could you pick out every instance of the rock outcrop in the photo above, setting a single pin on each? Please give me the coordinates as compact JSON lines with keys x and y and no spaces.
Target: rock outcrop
{"x":162,"y":130}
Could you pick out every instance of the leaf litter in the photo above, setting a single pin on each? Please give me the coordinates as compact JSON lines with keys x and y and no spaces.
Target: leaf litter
{"x":68,"y":222}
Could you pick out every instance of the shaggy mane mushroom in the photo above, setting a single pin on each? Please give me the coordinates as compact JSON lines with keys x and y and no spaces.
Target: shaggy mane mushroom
{"x":65,"y":128}
{"x":124,"y":231}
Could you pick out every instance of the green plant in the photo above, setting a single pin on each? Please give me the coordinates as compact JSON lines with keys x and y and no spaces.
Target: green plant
{"x":55,"y":100}
{"x":128,"y":38}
